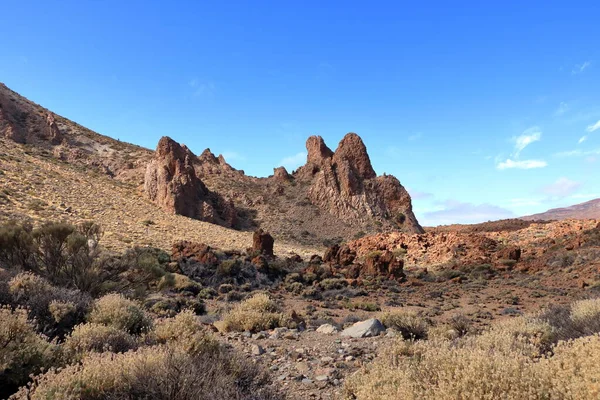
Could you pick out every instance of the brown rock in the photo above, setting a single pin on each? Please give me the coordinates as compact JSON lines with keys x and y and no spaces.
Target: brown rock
{"x":198,"y":252}
{"x":353,"y":151}
{"x":385,"y":264}
{"x":260,"y":262}
{"x":510,"y":253}
{"x":281,"y":174}
{"x":317,"y":150}
{"x":263,"y":242}
{"x":337,"y":255}
{"x":345,"y":185}
{"x":53,"y":133}
{"x":171,"y":183}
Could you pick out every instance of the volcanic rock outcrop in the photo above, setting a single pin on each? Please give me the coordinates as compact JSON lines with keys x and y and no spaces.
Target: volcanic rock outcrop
{"x":24,"y":126}
{"x":171,"y":183}
{"x":262,"y":242}
{"x":344,"y":184}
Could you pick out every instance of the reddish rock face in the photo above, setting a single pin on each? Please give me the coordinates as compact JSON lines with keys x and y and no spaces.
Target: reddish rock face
{"x":337,"y":255}
{"x":171,"y":183}
{"x":199,"y":252}
{"x":344,"y":184}
{"x":53,"y":133}
{"x":385,"y":264}
{"x":281,"y":174}
{"x":263,"y":242}
{"x":317,"y":150}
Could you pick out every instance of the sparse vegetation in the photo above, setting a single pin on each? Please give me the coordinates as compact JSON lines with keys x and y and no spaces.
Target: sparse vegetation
{"x":410,"y":325}
{"x":258,"y":313}
{"x":121,"y":313}
{"x":511,"y":360}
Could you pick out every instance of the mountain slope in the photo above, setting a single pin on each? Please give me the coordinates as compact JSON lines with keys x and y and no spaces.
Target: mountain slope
{"x":52,"y":164}
{"x":588,"y":210}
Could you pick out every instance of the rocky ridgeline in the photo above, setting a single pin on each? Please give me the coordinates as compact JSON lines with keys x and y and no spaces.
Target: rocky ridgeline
{"x":341,"y":183}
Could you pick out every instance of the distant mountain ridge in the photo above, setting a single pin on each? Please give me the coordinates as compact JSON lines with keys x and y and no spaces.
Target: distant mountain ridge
{"x":588,"y":210}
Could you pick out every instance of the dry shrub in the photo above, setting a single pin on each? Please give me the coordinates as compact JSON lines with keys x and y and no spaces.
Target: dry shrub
{"x":91,"y":337}
{"x":22,"y":350}
{"x":117,"y":311}
{"x":185,"y":332}
{"x":157,"y":372}
{"x":504,"y":363}
{"x":586,"y":311}
{"x":582,"y":318}
{"x":408,"y":323}
{"x":255,"y":314}
{"x":56,"y":310}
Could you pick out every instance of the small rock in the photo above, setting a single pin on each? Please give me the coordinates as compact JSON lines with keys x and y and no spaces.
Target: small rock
{"x":291,"y":335}
{"x":369,"y":328}
{"x":321,"y":378}
{"x":257,"y":350}
{"x":327,"y":329}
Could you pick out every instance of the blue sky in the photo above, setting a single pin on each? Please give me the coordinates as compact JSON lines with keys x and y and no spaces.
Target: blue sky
{"x":483,"y":110}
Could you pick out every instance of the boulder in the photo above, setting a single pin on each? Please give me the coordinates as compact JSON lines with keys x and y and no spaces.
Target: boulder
{"x":384,"y":264}
{"x":281,"y":174}
{"x":327,"y":329}
{"x":369,"y":328}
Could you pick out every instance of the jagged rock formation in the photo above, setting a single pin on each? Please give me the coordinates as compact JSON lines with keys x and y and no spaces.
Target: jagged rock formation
{"x":344,"y":184}
{"x":262,"y":242}
{"x":171,"y":183}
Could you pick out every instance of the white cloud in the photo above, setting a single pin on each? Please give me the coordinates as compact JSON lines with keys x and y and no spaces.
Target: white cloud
{"x":562,"y":108}
{"x":582,"y":139}
{"x":585,"y":196}
{"x":577,"y":153}
{"x":563,"y":187}
{"x":579,"y":68}
{"x":417,"y":195}
{"x":524,"y":164}
{"x":529,"y":136}
{"x":593,"y":127}
{"x":523,"y":202}
{"x":454,"y":212}
{"x":292,"y":162}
